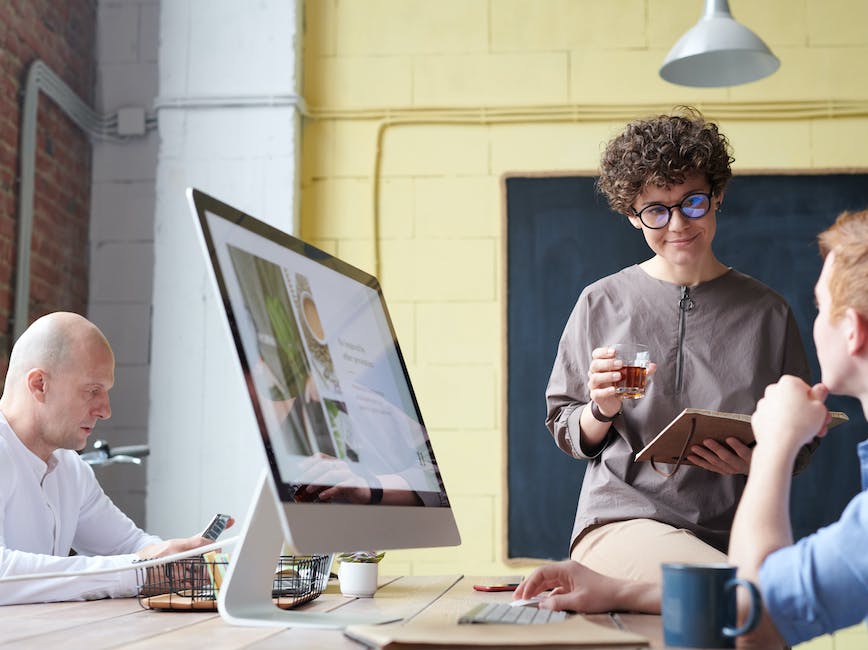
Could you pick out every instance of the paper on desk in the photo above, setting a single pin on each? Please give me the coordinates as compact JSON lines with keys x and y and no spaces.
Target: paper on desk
{"x":576,"y":631}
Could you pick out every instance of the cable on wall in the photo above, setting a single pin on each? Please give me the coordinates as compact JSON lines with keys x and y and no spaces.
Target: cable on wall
{"x":265,"y":100}
{"x":566,"y":113}
{"x":232,"y":101}
{"x":120,"y":126}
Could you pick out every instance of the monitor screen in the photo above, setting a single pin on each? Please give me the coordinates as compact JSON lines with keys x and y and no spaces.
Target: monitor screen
{"x":336,"y":412}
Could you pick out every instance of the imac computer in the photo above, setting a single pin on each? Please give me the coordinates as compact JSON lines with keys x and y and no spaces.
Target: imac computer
{"x":349,"y":462}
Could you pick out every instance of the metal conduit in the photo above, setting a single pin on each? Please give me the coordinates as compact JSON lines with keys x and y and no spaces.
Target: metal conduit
{"x":100,"y":127}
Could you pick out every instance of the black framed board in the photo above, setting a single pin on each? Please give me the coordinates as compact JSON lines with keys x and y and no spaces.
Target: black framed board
{"x":561,"y":236}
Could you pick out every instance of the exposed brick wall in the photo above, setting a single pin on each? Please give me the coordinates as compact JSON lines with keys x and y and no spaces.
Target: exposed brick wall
{"x":61,"y":33}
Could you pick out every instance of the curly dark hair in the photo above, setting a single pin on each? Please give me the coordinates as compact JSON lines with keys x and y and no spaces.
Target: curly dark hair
{"x":661,"y":151}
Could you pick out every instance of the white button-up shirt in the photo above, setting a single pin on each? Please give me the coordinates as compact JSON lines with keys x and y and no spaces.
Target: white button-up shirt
{"x":46,"y":509}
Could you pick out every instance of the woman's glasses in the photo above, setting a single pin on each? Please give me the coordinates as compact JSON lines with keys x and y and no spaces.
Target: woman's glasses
{"x":692,"y":206}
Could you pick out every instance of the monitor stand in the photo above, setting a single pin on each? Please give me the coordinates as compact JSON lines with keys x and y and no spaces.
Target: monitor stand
{"x":245,"y":594}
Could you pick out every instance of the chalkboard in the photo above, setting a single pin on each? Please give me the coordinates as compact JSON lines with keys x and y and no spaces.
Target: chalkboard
{"x":561,"y":236}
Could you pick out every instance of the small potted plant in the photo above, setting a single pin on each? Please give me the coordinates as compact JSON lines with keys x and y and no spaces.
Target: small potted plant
{"x":357,"y":573}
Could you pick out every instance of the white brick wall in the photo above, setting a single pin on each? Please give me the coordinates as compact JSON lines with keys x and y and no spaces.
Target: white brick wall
{"x":205,"y":452}
{"x":177,"y":387}
{"x":122,"y":233}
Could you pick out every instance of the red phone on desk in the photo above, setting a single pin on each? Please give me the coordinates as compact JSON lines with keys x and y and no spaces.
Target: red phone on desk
{"x":506,"y":587}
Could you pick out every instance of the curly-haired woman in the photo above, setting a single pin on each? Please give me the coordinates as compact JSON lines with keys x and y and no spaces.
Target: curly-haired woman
{"x":718,"y":338}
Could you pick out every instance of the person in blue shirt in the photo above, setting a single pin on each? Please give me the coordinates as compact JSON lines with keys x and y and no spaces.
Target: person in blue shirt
{"x":820,"y":583}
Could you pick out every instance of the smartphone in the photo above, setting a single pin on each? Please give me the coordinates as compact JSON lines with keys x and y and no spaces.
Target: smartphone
{"x":217,"y":526}
{"x":506,"y":587}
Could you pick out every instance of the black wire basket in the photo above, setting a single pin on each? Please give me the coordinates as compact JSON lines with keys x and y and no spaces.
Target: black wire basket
{"x":192,"y":584}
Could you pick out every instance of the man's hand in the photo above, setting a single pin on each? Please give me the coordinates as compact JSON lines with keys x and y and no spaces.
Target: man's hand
{"x":171,"y":546}
{"x":184,"y":577}
{"x":576,"y":587}
{"x":791,"y":413}
{"x":175,"y":577}
{"x":731,"y":458}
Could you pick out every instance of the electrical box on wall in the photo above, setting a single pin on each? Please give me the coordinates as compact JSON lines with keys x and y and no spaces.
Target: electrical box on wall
{"x":131,"y":120}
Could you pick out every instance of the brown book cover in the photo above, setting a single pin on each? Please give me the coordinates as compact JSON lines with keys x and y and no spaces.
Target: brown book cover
{"x":693,"y":426}
{"x":575,"y":632}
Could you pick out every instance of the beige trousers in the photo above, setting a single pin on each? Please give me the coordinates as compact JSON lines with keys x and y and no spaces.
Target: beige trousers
{"x":635,"y":549}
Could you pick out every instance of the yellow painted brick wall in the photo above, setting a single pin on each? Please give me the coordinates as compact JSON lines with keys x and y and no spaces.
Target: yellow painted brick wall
{"x":404,"y":154}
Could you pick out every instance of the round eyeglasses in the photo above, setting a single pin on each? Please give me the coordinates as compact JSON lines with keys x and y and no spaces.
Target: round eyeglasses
{"x":657,"y":215}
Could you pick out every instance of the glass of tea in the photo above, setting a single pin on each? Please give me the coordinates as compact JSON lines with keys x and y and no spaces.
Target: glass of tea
{"x":634,"y":372}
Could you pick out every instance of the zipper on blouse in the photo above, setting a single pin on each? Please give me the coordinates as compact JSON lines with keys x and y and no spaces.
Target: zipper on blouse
{"x":685,"y":304}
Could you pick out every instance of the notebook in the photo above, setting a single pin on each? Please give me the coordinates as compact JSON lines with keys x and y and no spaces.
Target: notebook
{"x":693,"y":426}
{"x":574,"y":632}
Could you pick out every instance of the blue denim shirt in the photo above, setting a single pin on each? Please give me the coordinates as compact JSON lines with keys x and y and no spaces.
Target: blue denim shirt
{"x":820,"y":584}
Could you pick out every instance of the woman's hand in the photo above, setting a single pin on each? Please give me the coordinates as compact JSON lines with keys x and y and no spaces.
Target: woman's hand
{"x":603,"y":374}
{"x":574,"y":587}
{"x":577,"y":588}
{"x":731,"y":458}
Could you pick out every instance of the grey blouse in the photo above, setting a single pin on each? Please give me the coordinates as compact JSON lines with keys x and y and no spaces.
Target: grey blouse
{"x":717,"y":346}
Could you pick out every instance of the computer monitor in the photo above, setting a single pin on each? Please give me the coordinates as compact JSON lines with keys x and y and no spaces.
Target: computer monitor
{"x":349,"y":462}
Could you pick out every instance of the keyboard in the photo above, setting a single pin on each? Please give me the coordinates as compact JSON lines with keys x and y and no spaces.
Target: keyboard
{"x":505,"y":613}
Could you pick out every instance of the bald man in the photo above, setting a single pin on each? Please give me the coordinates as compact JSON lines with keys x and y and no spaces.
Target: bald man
{"x":57,"y":387}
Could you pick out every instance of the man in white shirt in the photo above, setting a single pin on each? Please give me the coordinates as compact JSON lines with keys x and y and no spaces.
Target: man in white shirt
{"x":60,"y":372}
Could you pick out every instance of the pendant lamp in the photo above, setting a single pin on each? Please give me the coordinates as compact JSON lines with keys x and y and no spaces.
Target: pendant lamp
{"x":718,"y":51}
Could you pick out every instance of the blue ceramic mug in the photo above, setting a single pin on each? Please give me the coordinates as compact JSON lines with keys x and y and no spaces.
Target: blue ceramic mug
{"x":699,"y":605}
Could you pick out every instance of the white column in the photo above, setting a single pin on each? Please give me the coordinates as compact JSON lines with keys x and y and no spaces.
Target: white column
{"x":228,"y":127}
{"x":122,"y":233}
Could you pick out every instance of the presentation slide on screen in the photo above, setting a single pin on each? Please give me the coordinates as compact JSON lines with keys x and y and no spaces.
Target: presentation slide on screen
{"x":336,"y":402}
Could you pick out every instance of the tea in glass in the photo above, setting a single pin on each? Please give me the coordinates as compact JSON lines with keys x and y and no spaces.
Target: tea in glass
{"x":634,"y":372}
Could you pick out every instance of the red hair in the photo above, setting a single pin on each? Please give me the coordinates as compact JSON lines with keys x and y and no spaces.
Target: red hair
{"x":848,"y":282}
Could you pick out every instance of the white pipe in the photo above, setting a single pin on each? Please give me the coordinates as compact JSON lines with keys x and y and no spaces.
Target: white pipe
{"x":27,"y":168}
{"x":294,"y":100}
{"x":102,"y":127}
{"x":302,"y":111}
{"x":231,"y":101}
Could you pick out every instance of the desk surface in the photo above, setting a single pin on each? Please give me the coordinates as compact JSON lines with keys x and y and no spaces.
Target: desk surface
{"x":124,"y":623}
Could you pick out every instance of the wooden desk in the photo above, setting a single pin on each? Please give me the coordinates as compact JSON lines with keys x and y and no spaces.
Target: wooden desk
{"x":124,"y":623}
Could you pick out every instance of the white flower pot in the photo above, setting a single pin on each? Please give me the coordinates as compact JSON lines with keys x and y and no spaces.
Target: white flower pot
{"x":358,"y":579}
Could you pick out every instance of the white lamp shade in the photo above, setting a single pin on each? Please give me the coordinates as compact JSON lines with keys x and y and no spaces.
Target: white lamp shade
{"x":718,"y":51}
